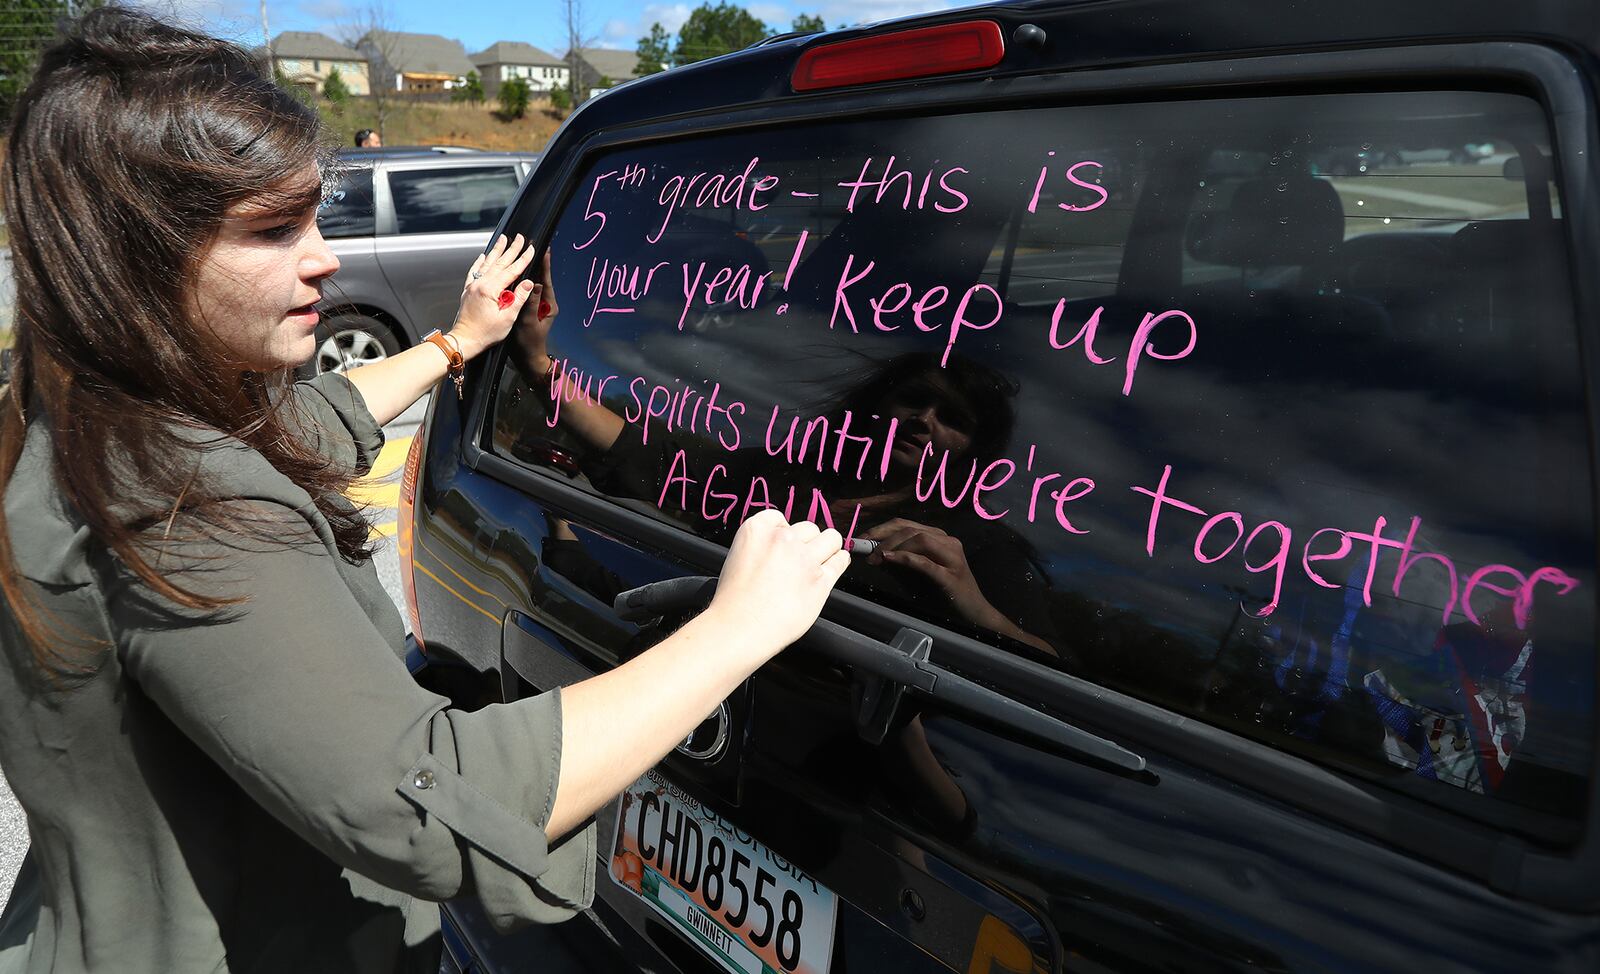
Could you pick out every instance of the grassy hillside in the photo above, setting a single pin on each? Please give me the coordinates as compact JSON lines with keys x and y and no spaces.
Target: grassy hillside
{"x":422,"y":123}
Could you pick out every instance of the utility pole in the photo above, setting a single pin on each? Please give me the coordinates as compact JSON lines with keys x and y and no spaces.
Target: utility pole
{"x":266,"y":36}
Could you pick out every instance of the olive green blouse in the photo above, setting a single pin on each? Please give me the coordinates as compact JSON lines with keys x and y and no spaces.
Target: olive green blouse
{"x":263,"y":787}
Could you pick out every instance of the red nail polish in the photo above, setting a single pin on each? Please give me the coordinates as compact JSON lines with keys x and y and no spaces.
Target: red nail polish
{"x":544,"y":309}
{"x":507,"y":299}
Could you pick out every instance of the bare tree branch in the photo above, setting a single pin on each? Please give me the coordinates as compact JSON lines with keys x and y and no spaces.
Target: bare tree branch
{"x":371,"y":29}
{"x":578,"y":82}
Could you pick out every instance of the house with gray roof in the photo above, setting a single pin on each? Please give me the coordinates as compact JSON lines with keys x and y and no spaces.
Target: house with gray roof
{"x":600,"y":68}
{"x":307,"y":58}
{"x":504,"y":60}
{"x":415,"y":62}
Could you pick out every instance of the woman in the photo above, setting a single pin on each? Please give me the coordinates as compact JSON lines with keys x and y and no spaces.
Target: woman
{"x":203,"y":710}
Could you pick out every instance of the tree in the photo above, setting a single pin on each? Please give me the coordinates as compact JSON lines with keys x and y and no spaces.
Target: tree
{"x":654,"y":52}
{"x":27,"y":27}
{"x":578,"y":80}
{"x":371,"y":30}
{"x":809,"y":24}
{"x":301,"y":93}
{"x":560,"y":98}
{"x":334,"y":89}
{"x":514,"y":98}
{"x":470,"y":90}
{"x":711,"y":31}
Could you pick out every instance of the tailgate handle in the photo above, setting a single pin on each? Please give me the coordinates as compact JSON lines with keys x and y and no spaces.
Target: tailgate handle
{"x":898,"y":667}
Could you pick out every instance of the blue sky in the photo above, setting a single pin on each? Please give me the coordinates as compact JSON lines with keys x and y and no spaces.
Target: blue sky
{"x":479,"y":23}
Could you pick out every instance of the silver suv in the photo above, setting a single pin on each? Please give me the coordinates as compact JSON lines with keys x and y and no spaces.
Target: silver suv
{"x":406,"y":224}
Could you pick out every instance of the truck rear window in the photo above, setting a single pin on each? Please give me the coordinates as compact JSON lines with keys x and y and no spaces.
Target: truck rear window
{"x":1267,"y":410}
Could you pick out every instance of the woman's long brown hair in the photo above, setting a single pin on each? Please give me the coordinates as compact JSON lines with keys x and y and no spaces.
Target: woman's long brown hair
{"x":132,"y":141}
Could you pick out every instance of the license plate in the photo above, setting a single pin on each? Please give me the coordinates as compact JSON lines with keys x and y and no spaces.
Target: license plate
{"x":748,"y":908}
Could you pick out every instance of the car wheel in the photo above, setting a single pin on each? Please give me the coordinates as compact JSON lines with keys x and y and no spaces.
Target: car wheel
{"x":351,"y":341}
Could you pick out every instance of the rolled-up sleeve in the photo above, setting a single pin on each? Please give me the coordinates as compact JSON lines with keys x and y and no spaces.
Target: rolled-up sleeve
{"x":299,"y":699}
{"x":333,"y":419}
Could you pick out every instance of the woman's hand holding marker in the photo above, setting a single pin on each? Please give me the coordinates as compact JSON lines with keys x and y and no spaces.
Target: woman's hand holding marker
{"x":489,"y":301}
{"x":936,"y":554}
{"x":943,"y":559}
{"x":776,"y":579}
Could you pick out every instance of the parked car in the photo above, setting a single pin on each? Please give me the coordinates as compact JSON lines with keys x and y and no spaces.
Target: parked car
{"x":1352,"y":160}
{"x":1236,"y":602}
{"x":406,"y":224}
{"x":1390,"y":156}
{"x":377,"y":152}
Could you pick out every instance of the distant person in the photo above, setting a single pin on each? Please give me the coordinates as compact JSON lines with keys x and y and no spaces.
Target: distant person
{"x":368,"y":139}
{"x":205,"y":711}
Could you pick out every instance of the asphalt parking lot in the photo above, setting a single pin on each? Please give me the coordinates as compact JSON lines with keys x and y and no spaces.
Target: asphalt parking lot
{"x":13,"y":840}
{"x":381,"y":492}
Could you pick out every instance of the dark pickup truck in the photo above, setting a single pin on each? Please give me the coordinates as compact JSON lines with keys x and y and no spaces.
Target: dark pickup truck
{"x":1217,"y":382}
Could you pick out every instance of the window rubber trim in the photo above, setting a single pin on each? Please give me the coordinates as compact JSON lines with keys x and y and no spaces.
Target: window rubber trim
{"x":384,"y":221}
{"x":1564,"y":879}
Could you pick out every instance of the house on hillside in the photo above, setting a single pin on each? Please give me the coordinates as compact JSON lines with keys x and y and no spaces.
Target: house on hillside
{"x":417,"y":63}
{"x":599,"y":68}
{"x":307,"y":58}
{"x":504,"y":60}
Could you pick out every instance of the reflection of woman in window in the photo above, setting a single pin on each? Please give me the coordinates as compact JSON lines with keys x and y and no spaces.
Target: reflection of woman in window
{"x":982,"y":573}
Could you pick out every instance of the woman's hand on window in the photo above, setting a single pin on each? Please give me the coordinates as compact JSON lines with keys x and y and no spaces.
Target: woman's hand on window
{"x":492,"y":296}
{"x":538,"y":317}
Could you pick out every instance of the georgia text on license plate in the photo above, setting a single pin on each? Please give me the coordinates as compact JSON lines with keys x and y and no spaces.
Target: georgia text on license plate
{"x":747,"y":907}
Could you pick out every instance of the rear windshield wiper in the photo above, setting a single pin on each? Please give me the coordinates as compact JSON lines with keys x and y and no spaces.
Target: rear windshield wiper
{"x":887,"y":670}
